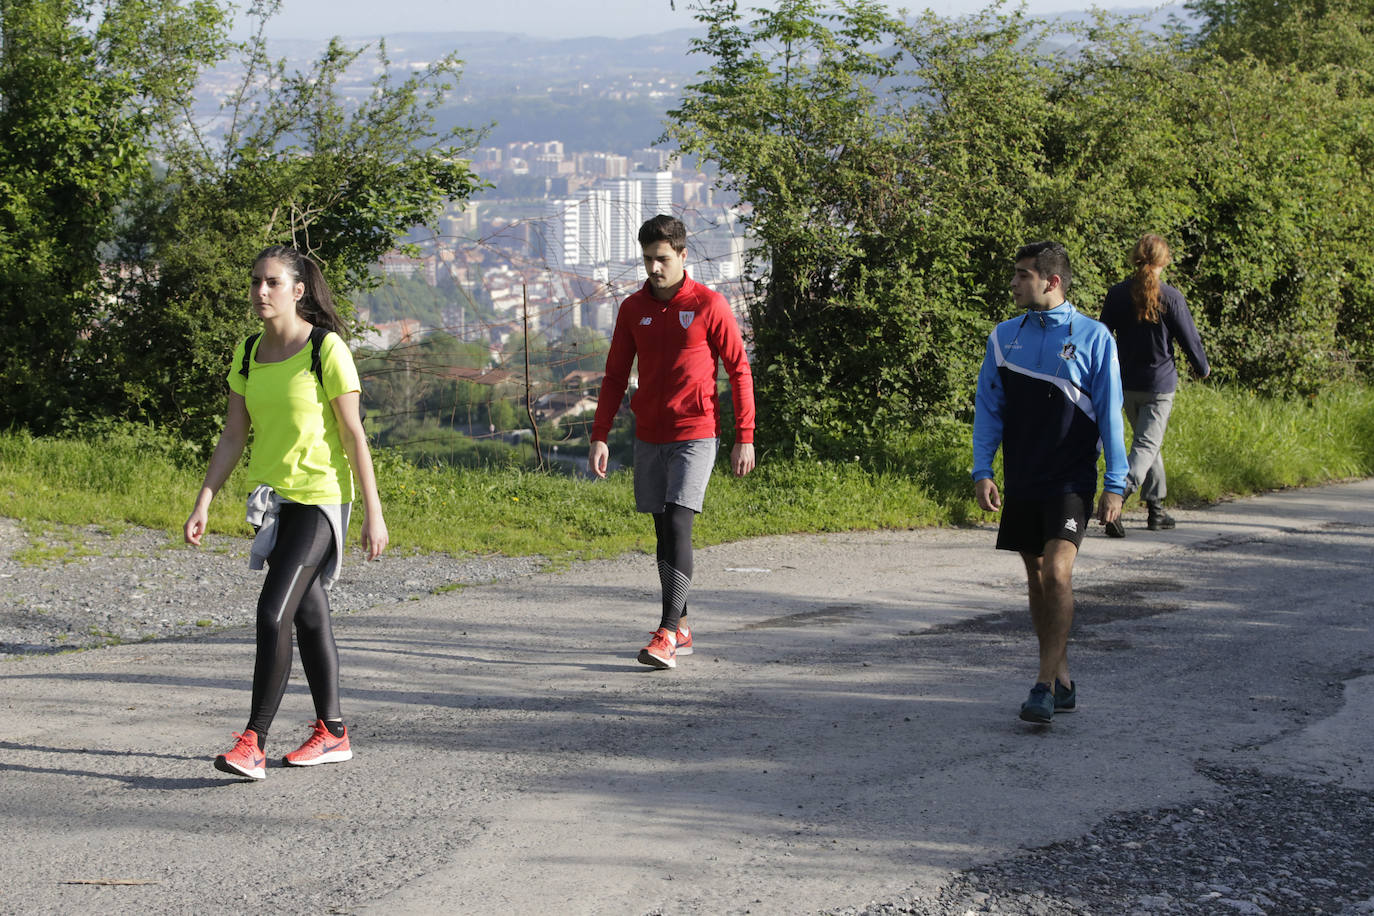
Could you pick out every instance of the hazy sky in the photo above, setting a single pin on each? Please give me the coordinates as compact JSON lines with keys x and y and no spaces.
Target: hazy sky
{"x":549,"y":18}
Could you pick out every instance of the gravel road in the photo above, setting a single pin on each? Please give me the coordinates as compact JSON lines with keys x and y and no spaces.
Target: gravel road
{"x":844,"y":740}
{"x":88,"y":588}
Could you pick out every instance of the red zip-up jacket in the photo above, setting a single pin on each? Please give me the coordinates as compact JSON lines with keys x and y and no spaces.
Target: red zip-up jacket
{"x":680,"y":344}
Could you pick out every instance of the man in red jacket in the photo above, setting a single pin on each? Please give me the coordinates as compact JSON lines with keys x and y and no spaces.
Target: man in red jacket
{"x":680,"y":331}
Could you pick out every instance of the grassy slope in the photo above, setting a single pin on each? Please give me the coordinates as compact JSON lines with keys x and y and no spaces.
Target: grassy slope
{"x":1220,"y":443}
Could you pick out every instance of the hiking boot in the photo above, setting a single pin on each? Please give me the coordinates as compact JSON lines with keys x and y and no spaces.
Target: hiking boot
{"x":661,"y":652}
{"x":1065,"y":698}
{"x":1115,"y":529}
{"x":1159,"y":520}
{"x":684,"y":639}
{"x":246,"y":759}
{"x":1039,"y":706}
{"x":320,"y":747}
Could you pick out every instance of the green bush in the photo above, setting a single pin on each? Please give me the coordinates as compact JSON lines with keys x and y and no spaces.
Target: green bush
{"x":893,"y":168}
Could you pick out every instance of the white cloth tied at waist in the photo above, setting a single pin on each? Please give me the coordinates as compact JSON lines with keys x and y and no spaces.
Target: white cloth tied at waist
{"x":264,"y":506}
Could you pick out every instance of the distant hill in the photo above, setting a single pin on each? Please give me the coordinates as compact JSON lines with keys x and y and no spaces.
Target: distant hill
{"x":591,"y":93}
{"x":506,"y":61}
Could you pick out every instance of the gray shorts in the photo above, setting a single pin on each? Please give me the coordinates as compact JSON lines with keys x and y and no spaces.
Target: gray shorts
{"x":673,"y":472}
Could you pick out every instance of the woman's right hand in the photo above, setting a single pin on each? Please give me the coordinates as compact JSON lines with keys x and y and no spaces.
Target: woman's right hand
{"x":196,"y":524}
{"x":375,"y":537}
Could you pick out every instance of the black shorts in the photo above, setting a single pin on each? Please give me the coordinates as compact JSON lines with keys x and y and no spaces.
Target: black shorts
{"x":1029,"y":524}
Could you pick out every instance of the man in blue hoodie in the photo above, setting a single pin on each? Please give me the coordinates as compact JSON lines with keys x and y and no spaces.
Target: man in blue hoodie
{"x":1049,"y":395}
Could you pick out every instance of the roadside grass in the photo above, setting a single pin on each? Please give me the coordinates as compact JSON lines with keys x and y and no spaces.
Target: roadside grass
{"x":1221,"y":442}
{"x":519,"y":512}
{"x":1224,"y":442}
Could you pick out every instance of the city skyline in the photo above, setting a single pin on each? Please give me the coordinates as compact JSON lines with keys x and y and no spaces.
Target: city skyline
{"x":318,"y":19}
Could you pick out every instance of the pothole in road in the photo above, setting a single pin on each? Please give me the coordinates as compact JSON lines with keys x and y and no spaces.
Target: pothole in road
{"x":1128,"y":599}
{"x":835,"y":613}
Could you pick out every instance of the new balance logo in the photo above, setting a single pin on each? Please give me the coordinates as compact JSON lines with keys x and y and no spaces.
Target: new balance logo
{"x":1070,"y":524}
{"x":646,"y":321}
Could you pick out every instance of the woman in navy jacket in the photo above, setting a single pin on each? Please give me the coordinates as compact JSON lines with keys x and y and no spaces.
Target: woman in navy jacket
{"x":1147,"y":317}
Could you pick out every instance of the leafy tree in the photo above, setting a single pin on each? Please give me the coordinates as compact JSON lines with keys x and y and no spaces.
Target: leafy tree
{"x":540,"y":356}
{"x":1292,"y":91}
{"x":893,"y":168}
{"x":342,"y":179}
{"x":86,"y":89}
{"x":444,"y":350}
{"x":396,"y":385}
{"x":397,"y":298}
{"x":1313,"y":35}
{"x":505,"y":417}
{"x":820,"y":121}
{"x":452,"y":400}
{"x":579,"y":350}
{"x":1223,"y":157}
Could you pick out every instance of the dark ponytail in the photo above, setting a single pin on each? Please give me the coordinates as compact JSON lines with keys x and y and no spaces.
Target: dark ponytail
{"x":317,"y":304}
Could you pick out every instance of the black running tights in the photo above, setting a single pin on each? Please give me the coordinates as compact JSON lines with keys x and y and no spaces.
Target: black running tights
{"x":293,"y":594}
{"x":673,"y":526}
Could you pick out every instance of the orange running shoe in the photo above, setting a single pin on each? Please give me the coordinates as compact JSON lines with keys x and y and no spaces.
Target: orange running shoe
{"x":684,"y":639}
{"x":661,"y":652}
{"x":320,"y":747}
{"x":246,"y":759}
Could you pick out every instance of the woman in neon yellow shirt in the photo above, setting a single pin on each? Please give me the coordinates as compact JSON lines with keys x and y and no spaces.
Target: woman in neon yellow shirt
{"x":295,"y":386}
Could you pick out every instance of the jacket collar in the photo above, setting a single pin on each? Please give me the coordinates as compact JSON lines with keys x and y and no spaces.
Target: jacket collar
{"x":685,"y":295}
{"x":1061,"y":314}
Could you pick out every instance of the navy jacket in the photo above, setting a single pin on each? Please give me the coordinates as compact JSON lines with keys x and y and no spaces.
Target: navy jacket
{"x":1049,"y":393}
{"x":1146,"y":347}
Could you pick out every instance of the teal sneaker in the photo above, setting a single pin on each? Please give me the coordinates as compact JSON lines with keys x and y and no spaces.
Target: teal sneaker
{"x":1065,"y":698}
{"x":1039,"y":706}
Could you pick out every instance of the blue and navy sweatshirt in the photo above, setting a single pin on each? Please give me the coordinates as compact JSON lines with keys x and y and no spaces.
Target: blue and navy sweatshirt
{"x":1049,"y":394}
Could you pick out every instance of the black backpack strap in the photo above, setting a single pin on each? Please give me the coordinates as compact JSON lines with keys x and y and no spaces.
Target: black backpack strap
{"x":248,"y":353}
{"x":317,"y":336}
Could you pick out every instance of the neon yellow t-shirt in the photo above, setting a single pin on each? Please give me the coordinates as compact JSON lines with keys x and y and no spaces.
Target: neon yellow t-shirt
{"x":296,"y":446}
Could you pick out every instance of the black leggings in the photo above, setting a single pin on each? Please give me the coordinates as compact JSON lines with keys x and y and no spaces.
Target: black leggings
{"x":292,"y":593}
{"x":673,"y":526}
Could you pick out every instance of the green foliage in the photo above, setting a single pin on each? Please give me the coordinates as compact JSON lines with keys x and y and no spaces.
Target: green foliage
{"x":429,"y":445}
{"x":536,"y":349}
{"x":580,"y":349}
{"x":85,"y":90}
{"x":1315,"y":35}
{"x":414,"y":384}
{"x":147,"y":337}
{"x":342,"y":179}
{"x":395,"y":298}
{"x":1222,"y":441}
{"x":808,"y":125}
{"x":892,"y":169}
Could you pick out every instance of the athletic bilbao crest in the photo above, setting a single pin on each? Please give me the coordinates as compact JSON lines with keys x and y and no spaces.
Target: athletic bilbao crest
{"x":685,"y":319}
